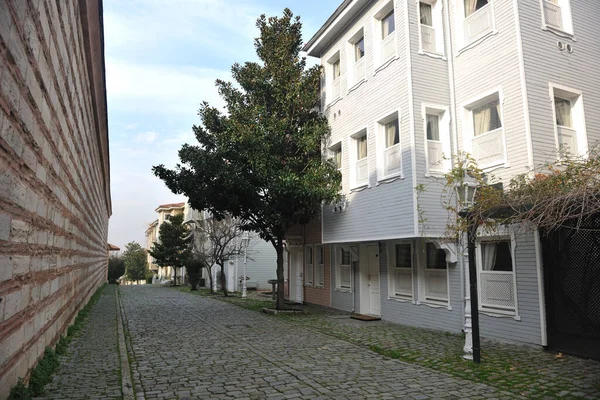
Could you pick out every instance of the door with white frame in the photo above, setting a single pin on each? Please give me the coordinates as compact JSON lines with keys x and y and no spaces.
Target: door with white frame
{"x":295,"y":278}
{"x":370,"y":297}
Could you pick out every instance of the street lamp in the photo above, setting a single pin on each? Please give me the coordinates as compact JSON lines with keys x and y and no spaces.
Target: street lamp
{"x":466,"y":195}
{"x":245,"y":241}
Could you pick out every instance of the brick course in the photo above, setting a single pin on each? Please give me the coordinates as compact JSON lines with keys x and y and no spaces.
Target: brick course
{"x":54,"y":173}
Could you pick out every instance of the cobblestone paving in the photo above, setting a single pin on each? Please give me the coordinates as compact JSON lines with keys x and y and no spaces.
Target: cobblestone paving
{"x":190,"y":347}
{"x":90,"y":368}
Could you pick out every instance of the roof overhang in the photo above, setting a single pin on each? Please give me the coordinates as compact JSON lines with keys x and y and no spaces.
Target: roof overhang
{"x":334,"y":25}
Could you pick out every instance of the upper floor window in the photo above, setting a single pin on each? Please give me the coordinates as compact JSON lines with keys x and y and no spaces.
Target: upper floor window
{"x":557,"y":15}
{"x":334,"y":77}
{"x":478,"y":20}
{"x":356,"y":59}
{"x":569,"y":122}
{"x":496,"y":275}
{"x":390,"y":157}
{"x":487,"y":142}
{"x":385,"y":40}
{"x":437,"y":134}
{"x":359,"y":172}
{"x":431,"y":28}
{"x":336,"y":158}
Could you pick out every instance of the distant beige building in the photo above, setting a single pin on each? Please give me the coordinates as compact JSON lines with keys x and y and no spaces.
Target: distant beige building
{"x":165,"y":211}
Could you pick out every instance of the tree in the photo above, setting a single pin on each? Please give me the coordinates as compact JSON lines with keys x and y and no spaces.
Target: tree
{"x":173,"y":246}
{"x":194,"y":269}
{"x":260,"y":161}
{"x":134,"y":258}
{"x":116,"y":268}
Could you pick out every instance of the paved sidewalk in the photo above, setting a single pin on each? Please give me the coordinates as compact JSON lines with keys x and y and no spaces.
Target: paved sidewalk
{"x":90,"y":368}
{"x":190,"y":347}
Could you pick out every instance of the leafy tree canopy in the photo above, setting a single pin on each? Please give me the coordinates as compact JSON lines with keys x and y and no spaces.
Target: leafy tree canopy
{"x":173,"y":247}
{"x":260,"y":161}
{"x":134,"y":257}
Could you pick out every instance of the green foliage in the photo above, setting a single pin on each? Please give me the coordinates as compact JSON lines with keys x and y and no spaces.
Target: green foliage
{"x":42,"y":373}
{"x":260,"y":161}
{"x":172,"y":250}
{"x":62,"y":346}
{"x":20,"y":391}
{"x":194,"y":270}
{"x":116,"y":268}
{"x":136,"y":265}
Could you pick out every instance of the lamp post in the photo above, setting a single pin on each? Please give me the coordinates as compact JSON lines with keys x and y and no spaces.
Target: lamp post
{"x":466,"y":194}
{"x":245,"y":241}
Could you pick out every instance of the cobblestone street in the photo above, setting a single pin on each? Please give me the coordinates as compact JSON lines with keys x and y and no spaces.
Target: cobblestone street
{"x":185,"y":346}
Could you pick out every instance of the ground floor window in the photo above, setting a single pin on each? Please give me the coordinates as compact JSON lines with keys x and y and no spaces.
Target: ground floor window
{"x":496,"y":275}
{"x":435,"y":275}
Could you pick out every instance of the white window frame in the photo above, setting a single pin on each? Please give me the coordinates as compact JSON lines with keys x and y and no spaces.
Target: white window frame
{"x":309,"y":269}
{"x":381,"y":148}
{"x":392,"y":270}
{"x":338,"y":268}
{"x":577,"y":116}
{"x":462,"y":42}
{"x":443,"y":112}
{"x":468,"y":125}
{"x":491,"y":310}
{"x":566,"y":29}
{"x":332,"y":151}
{"x":353,"y":155}
{"x":330,"y":81}
{"x":421,"y":251}
{"x":354,"y":66}
{"x":437,"y":25}
{"x":319,"y":253}
{"x":379,"y":41}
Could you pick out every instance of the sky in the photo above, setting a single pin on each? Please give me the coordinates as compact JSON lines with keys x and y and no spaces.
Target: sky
{"x":162,"y":60}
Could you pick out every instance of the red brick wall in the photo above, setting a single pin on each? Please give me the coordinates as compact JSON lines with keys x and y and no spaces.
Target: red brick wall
{"x":54,"y":181}
{"x":317,"y":295}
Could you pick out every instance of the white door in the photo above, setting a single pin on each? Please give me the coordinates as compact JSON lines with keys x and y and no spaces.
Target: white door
{"x":374,"y":299}
{"x":296,"y":274}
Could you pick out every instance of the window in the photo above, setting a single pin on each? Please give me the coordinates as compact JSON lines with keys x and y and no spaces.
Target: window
{"x":359,"y":172}
{"x":496,"y":275}
{"x":487,"y":142}
{"x":319,"y":266}
{"x":337,"y":156}
{"x":389,"y":161}
{"x":357,"y":70}
{"x":385,"y":38}
{"x":308,"y":266}
{"x":437,"y":138}
{"x":569,"y":123}
{"x":556,"y":16}
{"x":478,"y":20}
{"x":401,"y":271}
{"x":334,"y":74}
{"x":431,"y":28}
{"x":435,"y":274}
{"x":344,"y":270}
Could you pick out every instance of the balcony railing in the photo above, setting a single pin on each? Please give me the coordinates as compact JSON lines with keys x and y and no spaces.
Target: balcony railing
{"x":403,"y":281}
{"x":497,"y":290}
{"x":567,"y":139}
{"x":478,"y":24}
{"x":428,"y":38}
{"x":392,"y":160}
{"x":335,"y":89}
{"x":488,"y":148}
{"x":553,"y":15}
{"x":435,"y":155}
{"x":359,"y":70}
{"x":362,"y":172}
{"x":436,"y":284}
{"x":388,"y":47}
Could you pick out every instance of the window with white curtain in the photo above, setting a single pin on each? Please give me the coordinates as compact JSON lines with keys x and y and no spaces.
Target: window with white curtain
{"x":308,"y":266}
{"x":487,"y":118}
{"x":496,"y":276}
{"x":431,"y":29}
{"x":400,"y":270}
{"x":357,"y":67}
{"x":389,"y":149}
{"x":344,"y":269}
{"x":435,"y":275}
{"x":569,"y":121}
{"x":385,"y":37}
{"x":388,"y":25}
{"x":478,"y":21}
{"x":334,"y":77}
{"x":319,"y":266}
{"x":488,"y":146}
{"x":473,"y":5}
{"x":556,"y":16}
{"x":359,"y":164}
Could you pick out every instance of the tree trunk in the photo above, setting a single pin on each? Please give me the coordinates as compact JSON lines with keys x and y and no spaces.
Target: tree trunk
{"x":210,"y":279}
{"x":174,"y":276}
{"x":279,"y":249}
{"x":223,"y":280}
